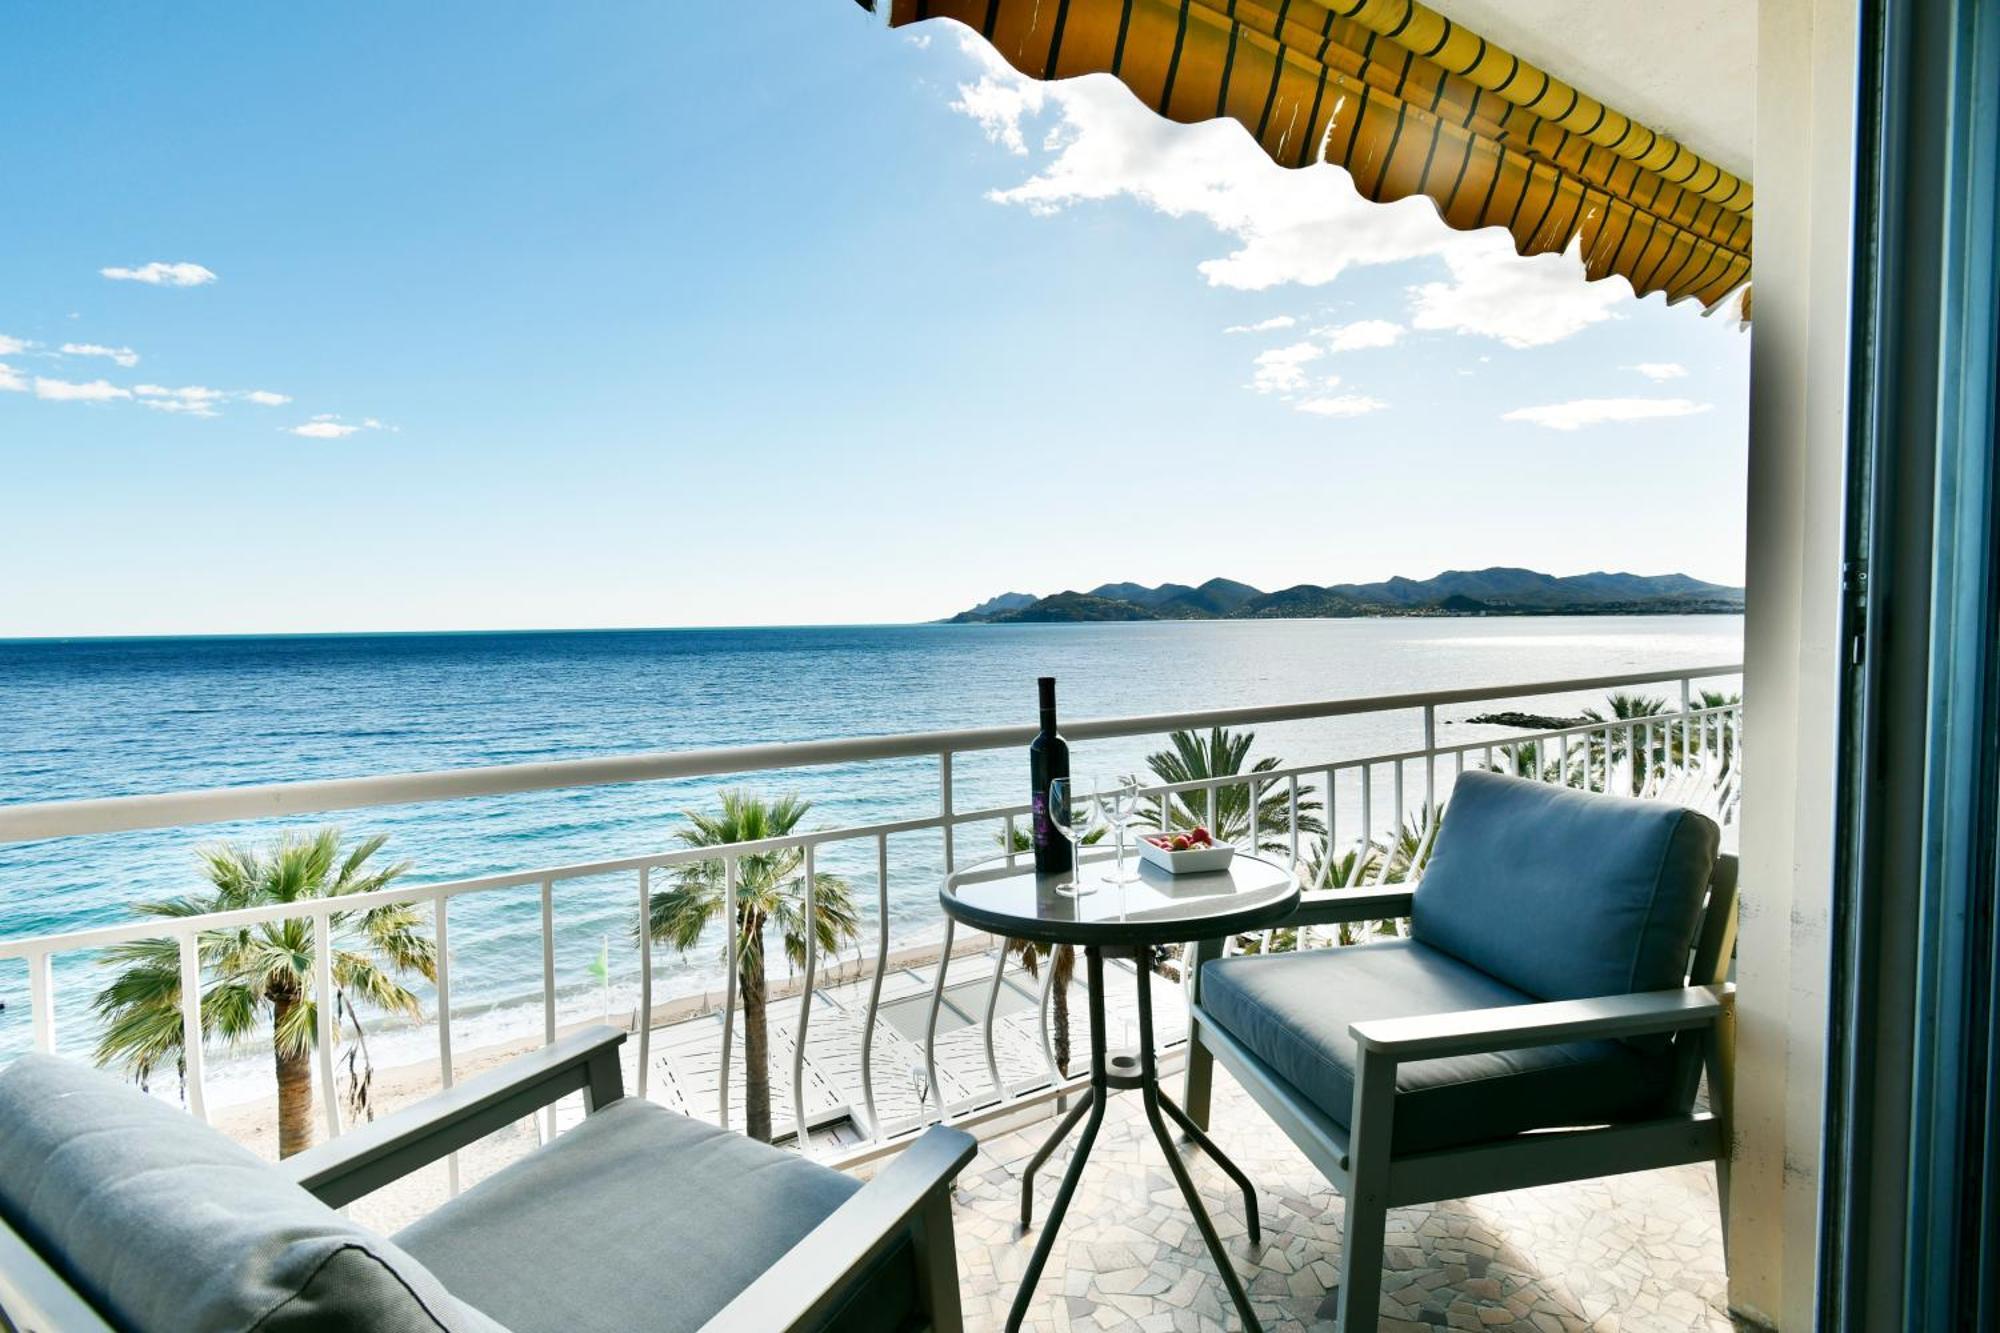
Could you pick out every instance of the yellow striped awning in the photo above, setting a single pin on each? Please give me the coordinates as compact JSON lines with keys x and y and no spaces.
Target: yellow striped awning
{"x":1409,"y":103}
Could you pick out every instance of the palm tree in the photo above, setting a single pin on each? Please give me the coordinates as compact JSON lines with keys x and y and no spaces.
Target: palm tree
{"x":264,"y":972}
{"x":1378,"y":861}
{"x":770,"y":887}
{"x":1063,"y":960}
{"x":1725,"y":739}
{"x":1221,"y":753}
{"x":1627,"y":742}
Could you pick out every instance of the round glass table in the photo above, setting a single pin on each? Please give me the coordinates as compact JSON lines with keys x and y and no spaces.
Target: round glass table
{"x":1128,"y":920}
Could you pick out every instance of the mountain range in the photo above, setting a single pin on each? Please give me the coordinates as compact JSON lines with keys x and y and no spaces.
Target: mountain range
{"x":1500,"y":590}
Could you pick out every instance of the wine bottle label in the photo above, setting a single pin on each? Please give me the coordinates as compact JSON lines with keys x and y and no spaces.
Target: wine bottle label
{"x":1041,"y":819}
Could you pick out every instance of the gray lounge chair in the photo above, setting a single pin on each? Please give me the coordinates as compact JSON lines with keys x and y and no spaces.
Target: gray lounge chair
{"x":1548,"y":1017}
{"x":118,"y":1211}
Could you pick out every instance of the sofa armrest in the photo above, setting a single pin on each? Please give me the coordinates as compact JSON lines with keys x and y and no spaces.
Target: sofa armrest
{"x":1334,"y":907}
{"x":373,"y":1155}
{"x":814,"y":1275}
{"x":1512,"y":1027}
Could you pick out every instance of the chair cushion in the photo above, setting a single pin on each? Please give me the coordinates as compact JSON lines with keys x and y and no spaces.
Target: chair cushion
{"x":1292,"y":1011}
{"x":1564,"y":894}
{"x":165,"y":1225}
{"x":639,"y":1218}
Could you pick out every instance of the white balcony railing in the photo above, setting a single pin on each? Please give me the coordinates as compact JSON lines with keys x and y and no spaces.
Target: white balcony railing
{"x":1691,"y":754}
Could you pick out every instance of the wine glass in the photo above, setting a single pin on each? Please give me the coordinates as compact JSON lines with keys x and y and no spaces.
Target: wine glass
{"x":1076,"y":815}
{"x":1121,"y":807}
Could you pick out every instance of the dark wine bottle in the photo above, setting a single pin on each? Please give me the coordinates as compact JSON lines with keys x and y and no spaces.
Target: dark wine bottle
{"x":1048,"y":759}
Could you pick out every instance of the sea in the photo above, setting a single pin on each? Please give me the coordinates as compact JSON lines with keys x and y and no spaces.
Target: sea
{"x":110,"y":717}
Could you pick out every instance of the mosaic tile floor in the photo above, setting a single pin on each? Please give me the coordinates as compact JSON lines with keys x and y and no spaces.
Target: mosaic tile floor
{"x":1632,"y":1254}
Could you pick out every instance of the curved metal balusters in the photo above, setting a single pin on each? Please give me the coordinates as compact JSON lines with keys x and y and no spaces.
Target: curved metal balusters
{"x":992,"y":1008}
{"x":801,"y":1132}
{"x":322,"y":925}
{"x":441,"y":941}
{"x":732,"y":949}
{"x":191,"y":1035}
{"x":645,"y":977}
{"x":932,"y":1089}
{"x":875,"y":986}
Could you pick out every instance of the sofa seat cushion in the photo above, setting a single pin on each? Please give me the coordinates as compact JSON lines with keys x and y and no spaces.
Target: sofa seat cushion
{"x":1564,"y":894}
{"x":1292,"y":1011}
{"x":638,"y":1218}
{"x":166,"y":1226}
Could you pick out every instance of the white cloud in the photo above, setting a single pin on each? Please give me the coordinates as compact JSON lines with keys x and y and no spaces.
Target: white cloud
{"x":66,"y":391}
{"x":161,"y":274}
{"x":1361,"y":333}
{"x":1282,"y":369}
{"x":1304,"y":227}
{"x":265,"y":398}
{"x":1660,"y":370}
{"x":1494,"y":293}
{"x":1001,"y":98}
{"x":193,"y":399}
{"x":123,"y":356}
{"x":13,"y":346}
{"x":920,"y":40}
{"x":1583,"y":412}
{"x":11,"y":380}
{"x":329,"y":426}
{"x":1342,"y":405}
{"x":1270,"y":325}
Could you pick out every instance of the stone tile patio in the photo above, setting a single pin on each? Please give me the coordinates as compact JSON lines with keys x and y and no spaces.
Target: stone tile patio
{"x":1631,"y":1254}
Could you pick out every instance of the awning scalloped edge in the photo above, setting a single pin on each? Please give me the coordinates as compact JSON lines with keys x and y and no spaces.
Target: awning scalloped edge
{"x":1408,"y":103}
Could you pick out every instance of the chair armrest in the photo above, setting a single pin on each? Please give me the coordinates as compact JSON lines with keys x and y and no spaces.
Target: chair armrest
{"x":1512,"y":1027}
{"x":803,"y":1286}
{"x":1334,"y":907}
{"x":373,"y":1155}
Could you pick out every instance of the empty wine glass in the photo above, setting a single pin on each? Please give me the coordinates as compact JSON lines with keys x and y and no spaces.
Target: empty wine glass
{"x":1121,"y":807}
{"x":1075,"y":814}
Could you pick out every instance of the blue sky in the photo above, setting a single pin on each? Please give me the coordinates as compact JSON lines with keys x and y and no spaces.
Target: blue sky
{"x":442,"y":316}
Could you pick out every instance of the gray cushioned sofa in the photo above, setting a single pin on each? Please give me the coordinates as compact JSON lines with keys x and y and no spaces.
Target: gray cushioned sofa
{"x":119,"y":1211}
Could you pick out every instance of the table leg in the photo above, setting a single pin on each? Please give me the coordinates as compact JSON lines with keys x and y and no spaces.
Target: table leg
{"x":1149,"y":1091}
{"x":1216,"y":1155}
{"x":1100,"y":1089}
{"x":1076,"y":1113}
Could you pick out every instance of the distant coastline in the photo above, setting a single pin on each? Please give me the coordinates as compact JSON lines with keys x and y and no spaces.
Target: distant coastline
{"x":1496,"y":591}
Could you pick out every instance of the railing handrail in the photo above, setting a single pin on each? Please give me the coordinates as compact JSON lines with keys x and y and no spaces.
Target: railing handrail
{"x":37,"y":820}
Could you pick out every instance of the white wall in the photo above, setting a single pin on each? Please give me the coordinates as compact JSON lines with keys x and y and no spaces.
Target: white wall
{"x":1798,"y":367}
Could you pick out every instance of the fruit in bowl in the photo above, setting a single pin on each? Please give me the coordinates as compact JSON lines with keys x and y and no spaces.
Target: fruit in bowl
{"x":1181,"y":853}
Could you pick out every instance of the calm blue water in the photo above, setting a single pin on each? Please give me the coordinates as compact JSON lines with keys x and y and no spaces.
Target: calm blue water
{"x":116,"y":717}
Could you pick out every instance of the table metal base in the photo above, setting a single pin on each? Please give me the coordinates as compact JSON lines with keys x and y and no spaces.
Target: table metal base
{"x":1138,"y":1070}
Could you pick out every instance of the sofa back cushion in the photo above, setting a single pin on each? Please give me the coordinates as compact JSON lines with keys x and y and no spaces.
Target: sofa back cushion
{"x":1565,"y":894}
{"x":161,"y":1223}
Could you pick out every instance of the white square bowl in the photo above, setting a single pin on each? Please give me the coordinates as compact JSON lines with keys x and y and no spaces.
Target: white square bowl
{"x":1193,"y":861}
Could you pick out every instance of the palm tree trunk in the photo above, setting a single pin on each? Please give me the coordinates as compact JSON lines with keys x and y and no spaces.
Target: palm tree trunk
{"x":756,"y":1038}
{"x":295,"y":1092}
{"x":1064,"y":964}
